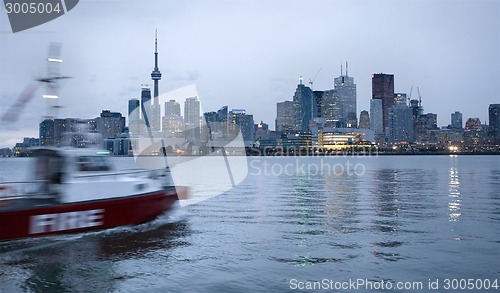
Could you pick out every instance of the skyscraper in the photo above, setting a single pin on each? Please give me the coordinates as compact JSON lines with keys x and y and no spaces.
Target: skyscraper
{"x":46,"y":132}
{"x":303,"y":107}
{"x":456,"y":120}
{"x":110,"y":124}
{"x":222,"y":118}
{"x":416,"y":108}
{"x":172,"y":122}
{"x":134,"y":110}
{"x":172,"y":108}
{"x":192,"y":117}
{"x":146,"y":105}
{"x":222,"y":114}
{"x":217,"y":123}
{"x":155,"y":108}
{"x":331,"y":109}
{"x":317,"y":103}
{"x":383,"y":89}
{"x":494,"y":118}
{"x":376,"y":116}
{"x":346,"y":90}
{"x":400,"y":124}
{"x":284,"y":116}
{"x":244,"y":121}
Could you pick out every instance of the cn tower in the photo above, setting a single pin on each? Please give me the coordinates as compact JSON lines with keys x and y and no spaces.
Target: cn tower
{"x":156,"y":76}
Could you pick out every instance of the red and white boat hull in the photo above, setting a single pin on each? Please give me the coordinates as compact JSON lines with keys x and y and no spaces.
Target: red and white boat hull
{"x":84,"y":216}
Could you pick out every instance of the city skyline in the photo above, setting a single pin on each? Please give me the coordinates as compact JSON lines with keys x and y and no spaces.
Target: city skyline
{"x":221,"y":54}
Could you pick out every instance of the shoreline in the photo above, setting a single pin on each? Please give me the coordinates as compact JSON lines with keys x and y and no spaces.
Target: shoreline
{"x":349,"y":154}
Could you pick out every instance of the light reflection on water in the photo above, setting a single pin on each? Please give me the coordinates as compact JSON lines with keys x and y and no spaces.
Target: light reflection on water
{"x":454,"y":191}
{"x":404,"y":219}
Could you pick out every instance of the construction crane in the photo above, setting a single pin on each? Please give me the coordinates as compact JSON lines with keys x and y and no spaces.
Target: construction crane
{"x":311,"y":81}
{"x":411,"y":90}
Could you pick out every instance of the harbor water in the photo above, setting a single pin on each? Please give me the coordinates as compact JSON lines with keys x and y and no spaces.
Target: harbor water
{"x":340,"y":224}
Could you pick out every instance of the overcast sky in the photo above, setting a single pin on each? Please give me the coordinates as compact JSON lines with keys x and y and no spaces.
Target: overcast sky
{"x":249,"y":54}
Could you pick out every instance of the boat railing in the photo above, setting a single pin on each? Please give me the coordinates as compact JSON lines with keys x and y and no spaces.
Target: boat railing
{"x":131,"y":173}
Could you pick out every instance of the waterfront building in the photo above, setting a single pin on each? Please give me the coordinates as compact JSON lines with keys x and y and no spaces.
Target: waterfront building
{"x":22,"y":149}
{"x":110,"y":124}
{"x":416,"y":108}
{"x":473,"y":132}
{"x":425,"y":127}
{"x":238,"y":117}
{"x":456,"y":120}
{"x":383,"y":89}
{"x":217,"y":124}
{"x":364,"y":120}
{"x":223,"y":117}
{"x":68,"y":132}
{"x":284,"y":116}
{"x":192,"y":119}
{"x":134,"y":118}
{"x":172,"y":108}
{"x":146,"y":105}
{"x":261,"y":131}
{"x":331,"y":109}
{"x":494,"y":119}
{"x":345,"y":89}
{"x":304,"y":108}
{"x":335,"y":138}
{"x":222,"y":114}
{"x":172,"y":122}
{"x":400,"y":124}
{"x":133,"y":110}
{"x":46,"y":132}
{"x":173,"y":125}
{"x":317,"y":103}
{"x":448,"y":137}
{"x":473,"y":124}
{"x":376,"y":116}
{"x":119,"y":146}
{"x":296,"y":140}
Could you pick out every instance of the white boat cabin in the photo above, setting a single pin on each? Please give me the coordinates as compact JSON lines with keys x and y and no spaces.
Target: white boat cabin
{"x":75,"y":175}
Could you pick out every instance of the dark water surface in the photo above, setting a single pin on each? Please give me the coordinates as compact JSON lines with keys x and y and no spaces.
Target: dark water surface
{"x":391,"y":219}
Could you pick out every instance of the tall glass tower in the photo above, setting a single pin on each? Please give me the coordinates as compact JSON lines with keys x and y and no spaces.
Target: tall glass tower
{"x":304,"y":109}
{"x":346,"y":91}
{"x":383,"y":89}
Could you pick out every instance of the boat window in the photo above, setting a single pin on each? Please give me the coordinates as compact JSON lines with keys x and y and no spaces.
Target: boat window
{"x":93,"y":163}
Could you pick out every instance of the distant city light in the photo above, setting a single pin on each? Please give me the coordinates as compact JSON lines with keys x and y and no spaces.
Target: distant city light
{"x":50,"y":97}
{"x":55,"y":60}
